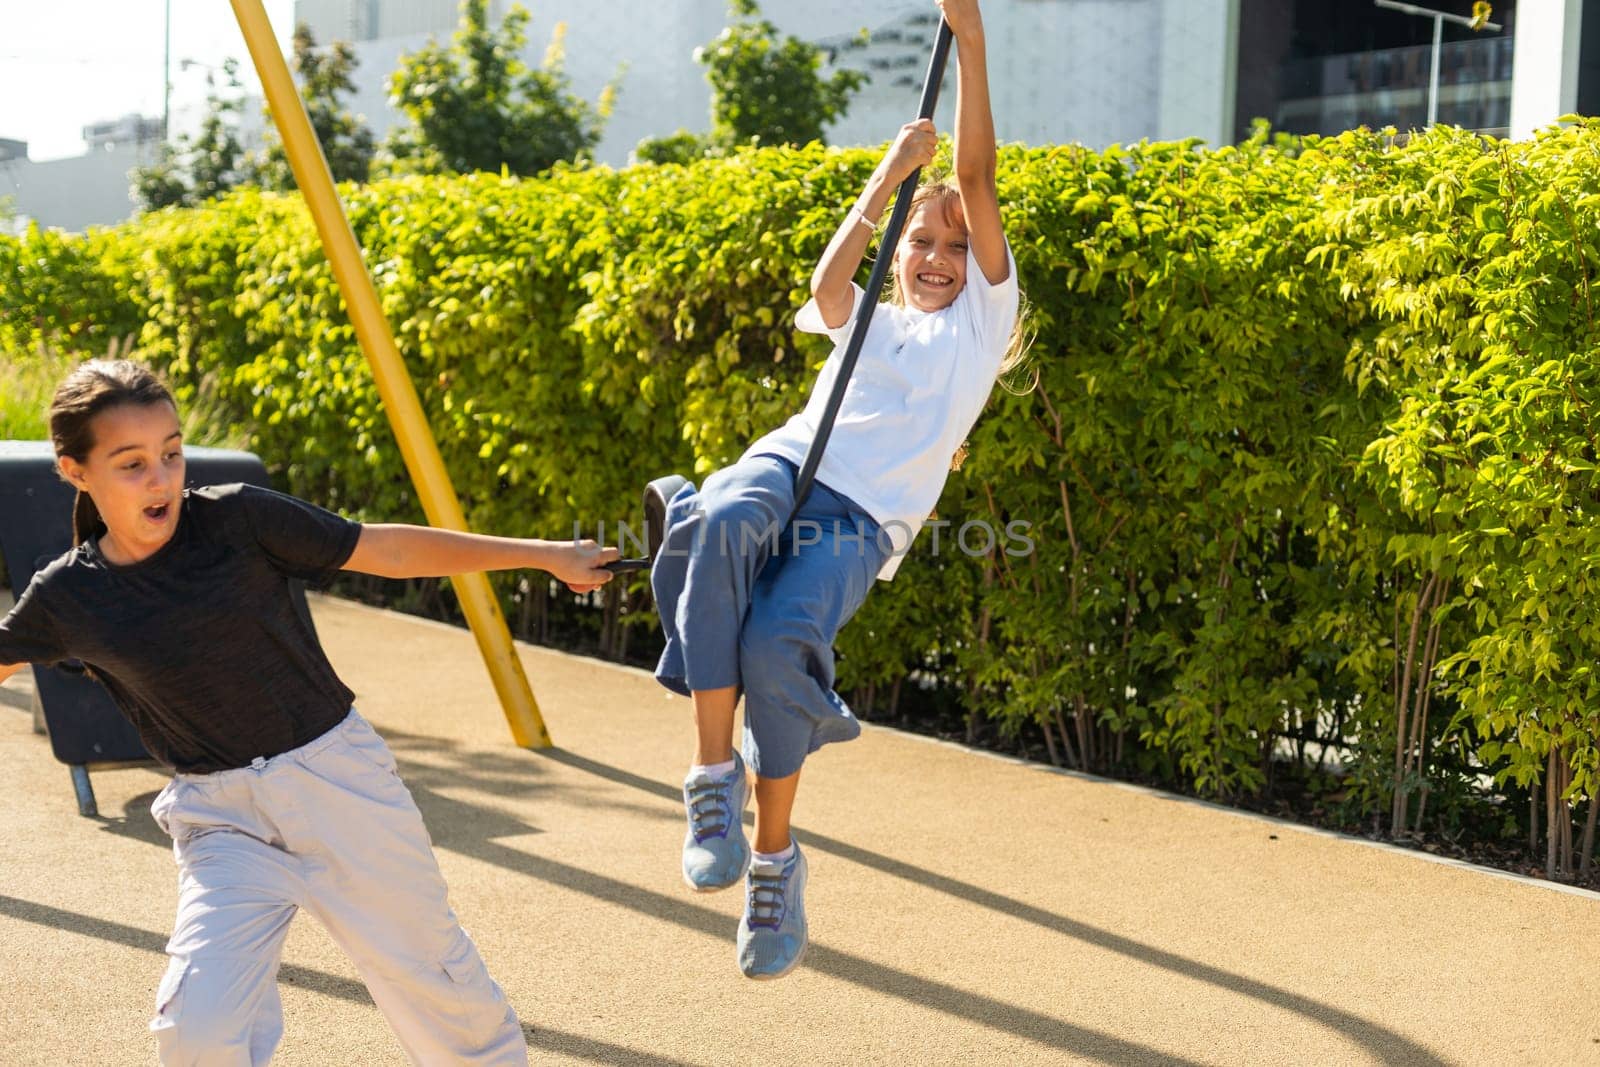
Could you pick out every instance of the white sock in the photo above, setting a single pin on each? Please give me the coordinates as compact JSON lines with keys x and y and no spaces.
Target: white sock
{"x":777,"y":858}
{"x":715,"y":770}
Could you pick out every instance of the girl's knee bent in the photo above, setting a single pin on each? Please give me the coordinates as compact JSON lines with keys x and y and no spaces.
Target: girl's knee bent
{"x":205,"y":1017}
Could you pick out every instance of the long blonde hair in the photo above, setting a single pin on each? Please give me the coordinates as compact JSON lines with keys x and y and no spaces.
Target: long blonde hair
{"x":948,"y":195}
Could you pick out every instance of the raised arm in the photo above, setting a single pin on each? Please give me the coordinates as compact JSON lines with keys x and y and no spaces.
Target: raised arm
{"x":913,"y":147}
{"x":402,"y":551}
{"x":974,"y":147}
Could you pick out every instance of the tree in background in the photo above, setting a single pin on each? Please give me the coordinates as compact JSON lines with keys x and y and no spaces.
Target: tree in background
{"x":477,"y":106}
{"x":205,"y":165}
{"x":770,"y":90}
{"x":765,"y":89}
{"x":161,"y":184}
{"x":346,"y":141}
{"x":8,"y":215}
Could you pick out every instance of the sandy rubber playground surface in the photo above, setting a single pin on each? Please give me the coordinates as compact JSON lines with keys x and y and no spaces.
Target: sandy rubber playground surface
{"x":964,"y":909}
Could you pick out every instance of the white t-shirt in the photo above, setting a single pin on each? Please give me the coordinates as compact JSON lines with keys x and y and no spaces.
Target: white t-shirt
{"x":920,"y":383}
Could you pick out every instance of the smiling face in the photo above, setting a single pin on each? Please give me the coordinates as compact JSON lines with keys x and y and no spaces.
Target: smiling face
{"x":134,"y":473}
{"x":930,"y":262}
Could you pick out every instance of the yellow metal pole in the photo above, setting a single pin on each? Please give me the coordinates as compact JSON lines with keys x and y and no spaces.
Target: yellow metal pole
{"x":399,"y":396}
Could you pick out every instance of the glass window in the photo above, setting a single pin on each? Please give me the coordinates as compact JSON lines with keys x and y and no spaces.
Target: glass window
{"x":1325,"y":66}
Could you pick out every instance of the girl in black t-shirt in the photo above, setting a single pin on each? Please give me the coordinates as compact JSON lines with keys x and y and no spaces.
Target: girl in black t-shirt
{"x":179,"y":601}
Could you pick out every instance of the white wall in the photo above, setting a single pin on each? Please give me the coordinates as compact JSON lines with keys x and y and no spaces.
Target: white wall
{"x":1544,"y":84}
{"x":1095,"y":71}
{"x":661,"y":87}
{"x":71,"y":194}
{"x":1199,"y":70}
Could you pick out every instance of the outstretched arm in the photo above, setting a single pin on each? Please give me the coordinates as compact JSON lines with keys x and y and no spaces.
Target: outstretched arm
{"x":974,"y":147}
{"x":830,"y":282}
{"x":402,"y":551}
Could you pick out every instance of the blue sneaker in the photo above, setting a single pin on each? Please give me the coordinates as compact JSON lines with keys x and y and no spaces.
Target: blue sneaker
{"x":715,"y":854}
{"x":772,"y":934}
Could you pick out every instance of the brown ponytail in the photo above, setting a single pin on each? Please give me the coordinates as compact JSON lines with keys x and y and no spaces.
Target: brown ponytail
{"x":86,"y":521}
{"x":94,"y":387}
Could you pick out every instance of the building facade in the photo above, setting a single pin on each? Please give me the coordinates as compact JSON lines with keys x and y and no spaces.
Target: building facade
{"x":78,"y":192}
{"x":1096,"y":72}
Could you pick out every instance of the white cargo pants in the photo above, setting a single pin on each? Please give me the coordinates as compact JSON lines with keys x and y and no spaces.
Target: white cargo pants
{"x":328,"y":827}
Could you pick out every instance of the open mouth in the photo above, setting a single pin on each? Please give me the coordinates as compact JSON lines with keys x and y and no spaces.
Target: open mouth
{"x":157,"y":512}
{"x":935,"y":281}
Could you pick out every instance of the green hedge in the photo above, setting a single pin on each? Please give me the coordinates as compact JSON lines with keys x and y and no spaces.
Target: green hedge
{"x":1311,"y":455}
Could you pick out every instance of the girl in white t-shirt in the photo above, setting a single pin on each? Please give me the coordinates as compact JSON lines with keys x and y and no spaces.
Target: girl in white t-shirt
{"x":750,"y":604}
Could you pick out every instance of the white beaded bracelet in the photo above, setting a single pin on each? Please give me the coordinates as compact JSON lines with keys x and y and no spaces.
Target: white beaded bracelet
{"x":861,"y":217}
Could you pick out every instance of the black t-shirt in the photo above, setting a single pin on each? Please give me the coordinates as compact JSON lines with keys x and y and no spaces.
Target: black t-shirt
{"x":200,"y":644}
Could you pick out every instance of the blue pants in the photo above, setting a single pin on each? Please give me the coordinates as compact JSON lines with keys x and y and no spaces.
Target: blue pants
{"x":746,"y":602}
